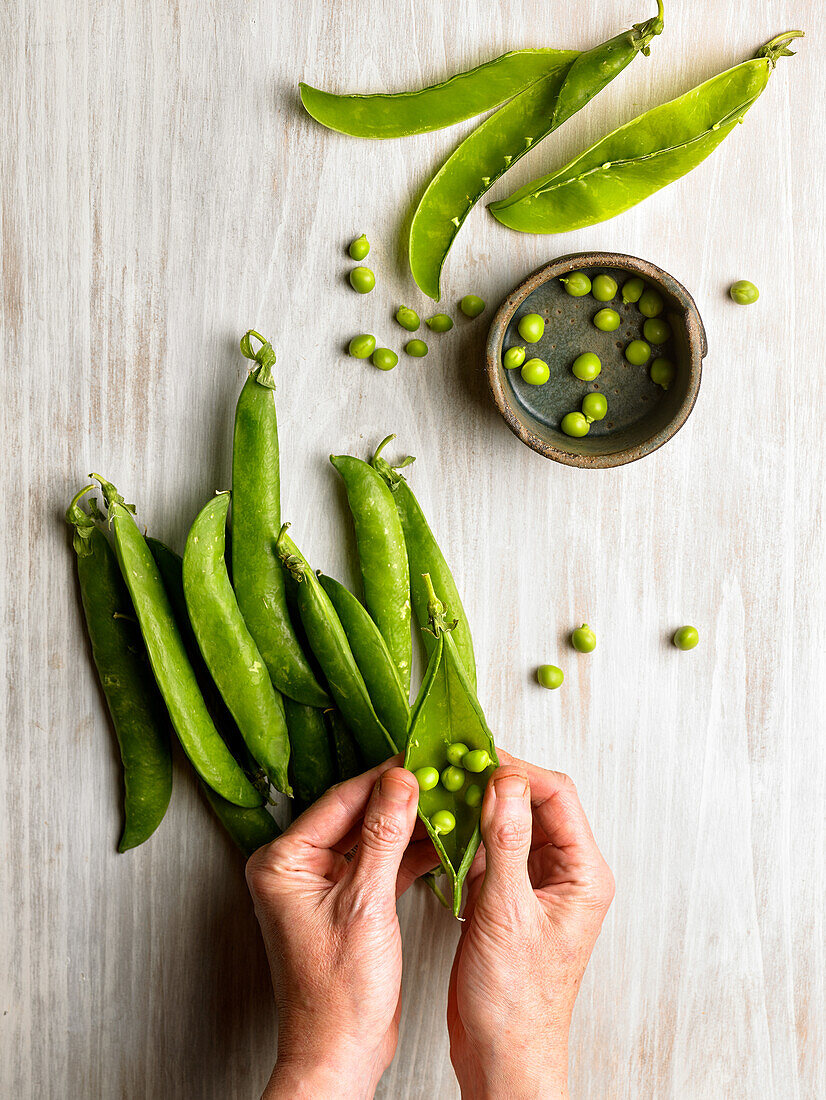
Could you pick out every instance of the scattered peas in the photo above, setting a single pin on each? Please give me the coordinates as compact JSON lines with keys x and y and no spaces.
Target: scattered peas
{"x":359,"y":248}
{"x":604,"y":288}
{"x":443,"y":822}
{"x":456,"y":752}
{"x":535,"y":372}
{"x":416,"y":348}
{"x":531,"y":328}
{"x":476,"y":760}
{"x":607,"y":320}
{"x":662,"y":372}
{"x":587,"y":366}
{"x":513,"y":357}
{"x":686,"y":637}
{"x":632,"y":291}
{"x":427,"y":778}
{"x":594,"y":407}
{"x":472,"y":305}
{"x":656,"y":331}
{"x":408,"y":318}
{"x":439,"y":322}
{"x":361,"y":347}
{"x":384,"y":358}
{"x":473,"y":795}
{"x":453,"y":778}
{"x":549,"y":676}
{"x":583,"y":639}
{"x":743,"y":292}
{"x":638,"y":353}
{"x":577,"y":284}
{"x":362,"y":280}
{"x":651,"y":304}
{"x":575,"y":425}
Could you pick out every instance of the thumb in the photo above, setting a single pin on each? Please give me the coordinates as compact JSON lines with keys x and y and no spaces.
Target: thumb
{"x":386,"y":831}
{"x":507,"y":824}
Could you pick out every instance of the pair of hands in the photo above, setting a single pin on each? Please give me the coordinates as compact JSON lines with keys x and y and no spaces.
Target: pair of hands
{"x":325,"y":896}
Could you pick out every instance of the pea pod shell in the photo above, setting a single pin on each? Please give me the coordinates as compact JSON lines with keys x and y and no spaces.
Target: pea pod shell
{"x":312,"y":766}
{"x":392,"y":115}
{"x":228,"y":648}
{"x":249,"y":826}
{"x":348,"y":761}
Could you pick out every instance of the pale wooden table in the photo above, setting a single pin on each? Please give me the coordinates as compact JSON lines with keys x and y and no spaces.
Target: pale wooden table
{"x":161,"y":192}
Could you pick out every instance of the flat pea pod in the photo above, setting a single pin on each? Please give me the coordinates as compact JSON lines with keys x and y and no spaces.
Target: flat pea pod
{"x":258,"y":578}
{"x":373,"y":658}
{"x":329,"y":643}
{"x":345,"y":750}
{"x":382,"y":557}
{"x":399,"y":114}
{"x":251,"y":827}
{"x":447,"y":710}
{"x":651,"y":151}
{"x":311,"y":759}
{"x":173,"y":670}
{"x":135,"y":705}
{"x":425,"y":556}
{"x":504,"y":138}
{"x":227,"y":646}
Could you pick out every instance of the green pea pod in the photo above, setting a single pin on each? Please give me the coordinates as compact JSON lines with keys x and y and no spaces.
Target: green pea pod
{"x":373,"y":659}
{"x":646,"y":154}
{"x":173,"y":671}
{"x":424,"y":556}
{"x":382,"y":557}
{"x":504,"y":138}
{"x":228,"y":648}
{"x":313,"y":770}
{"x":348,"y":761}
{"x":462,"y":96}
{"x":447,"y":711}
{"x":135,"y":705}
{"x":249,"y":826}
{"x":257,"y":575}
{"x":329,"y":643}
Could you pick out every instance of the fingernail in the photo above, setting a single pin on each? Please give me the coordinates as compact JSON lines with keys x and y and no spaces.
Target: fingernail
{"x":513,"y":785}
{"x":394,"y":789}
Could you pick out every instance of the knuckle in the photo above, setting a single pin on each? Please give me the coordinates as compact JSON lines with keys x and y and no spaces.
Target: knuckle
{"x":564,"y":781}
{"x":511,"y":835}
{"x":381,"y":831}
{"x":265,"y":869}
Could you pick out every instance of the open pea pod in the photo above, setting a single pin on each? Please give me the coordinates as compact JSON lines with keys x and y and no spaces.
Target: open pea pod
{"x":651,"y":151}
{"x":464,"y":95}
{"x":501,"y":140}
{"x":447,"y":713}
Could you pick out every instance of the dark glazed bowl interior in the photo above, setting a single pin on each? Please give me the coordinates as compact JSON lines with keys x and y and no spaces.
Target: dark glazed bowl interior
{"x":641,"y":415}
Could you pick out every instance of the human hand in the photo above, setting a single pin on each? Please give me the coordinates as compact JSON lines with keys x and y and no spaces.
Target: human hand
{"x":537,"y":895}
{"x":332,"y":935}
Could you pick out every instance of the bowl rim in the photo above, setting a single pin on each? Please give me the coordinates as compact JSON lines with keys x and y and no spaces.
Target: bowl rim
{"x":697,"y":346}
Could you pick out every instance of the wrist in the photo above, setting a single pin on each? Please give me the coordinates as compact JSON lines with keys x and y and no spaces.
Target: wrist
{"x":517,"y":1074}
{"x":330,"y":1078}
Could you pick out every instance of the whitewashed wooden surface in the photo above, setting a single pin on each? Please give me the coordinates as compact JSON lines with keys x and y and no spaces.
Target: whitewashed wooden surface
{"x":161,"y":192}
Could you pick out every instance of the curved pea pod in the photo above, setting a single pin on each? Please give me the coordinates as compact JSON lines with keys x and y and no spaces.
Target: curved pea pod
{"x":373,"y":659}
{"x":135,"y":705}
{"x":312,"y":766}
{"x":332,"y":650}
{"x":249,"y":826}
{"x":462,"y":96}
{"x":504,"y":138}
{"x":646,"y":154}
{"x":424,"y":556}
{"x":228,"y":648}
{"x":171,"y":666}
{"x":348,"y":761}
{"x":446,"y":711}
{"x":382,"y":557}
{"x":257,"y":576}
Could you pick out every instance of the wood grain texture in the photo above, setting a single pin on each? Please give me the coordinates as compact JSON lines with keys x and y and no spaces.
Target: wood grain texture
{"x":161,"y":192}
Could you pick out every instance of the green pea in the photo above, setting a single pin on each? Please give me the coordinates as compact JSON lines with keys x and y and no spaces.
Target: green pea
{"x":476,"y":760}
{"x":607,"y":320}
{"x":577,"y":284}
{"x":549,"y":676}
{"x":439,"y":322}
{"x":427,"y":778}
{"x":632,"y":291}
{"x":575,"y":425}
{"x":583,"y":639}
{"x":443,"y":822}
{"x":531,"y":328}
{"x":474,"y":795}
{"x":604,"y":288}
{"x":656,"y":331}
{"x":662,"y":372}
{"x":456,"y":753}
{"x":361,"y":347}
{"x":638,"y":353}
{"x":416,"y":348}
{"x":384,"y":358}
{"x":651,"y":303}
{"x":408,"y":318}
{"x":743,"y":292}
{"x":453,"y":778}
{"x":359,"y":248}
{"x":513,"y":357}
{"x":472,"y":305}
{"x":535,"y":372}
{"x":362,"y":280}
{"x":587,"y":366}
{"x":594,"y":406}
{"x":686,"y":637}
